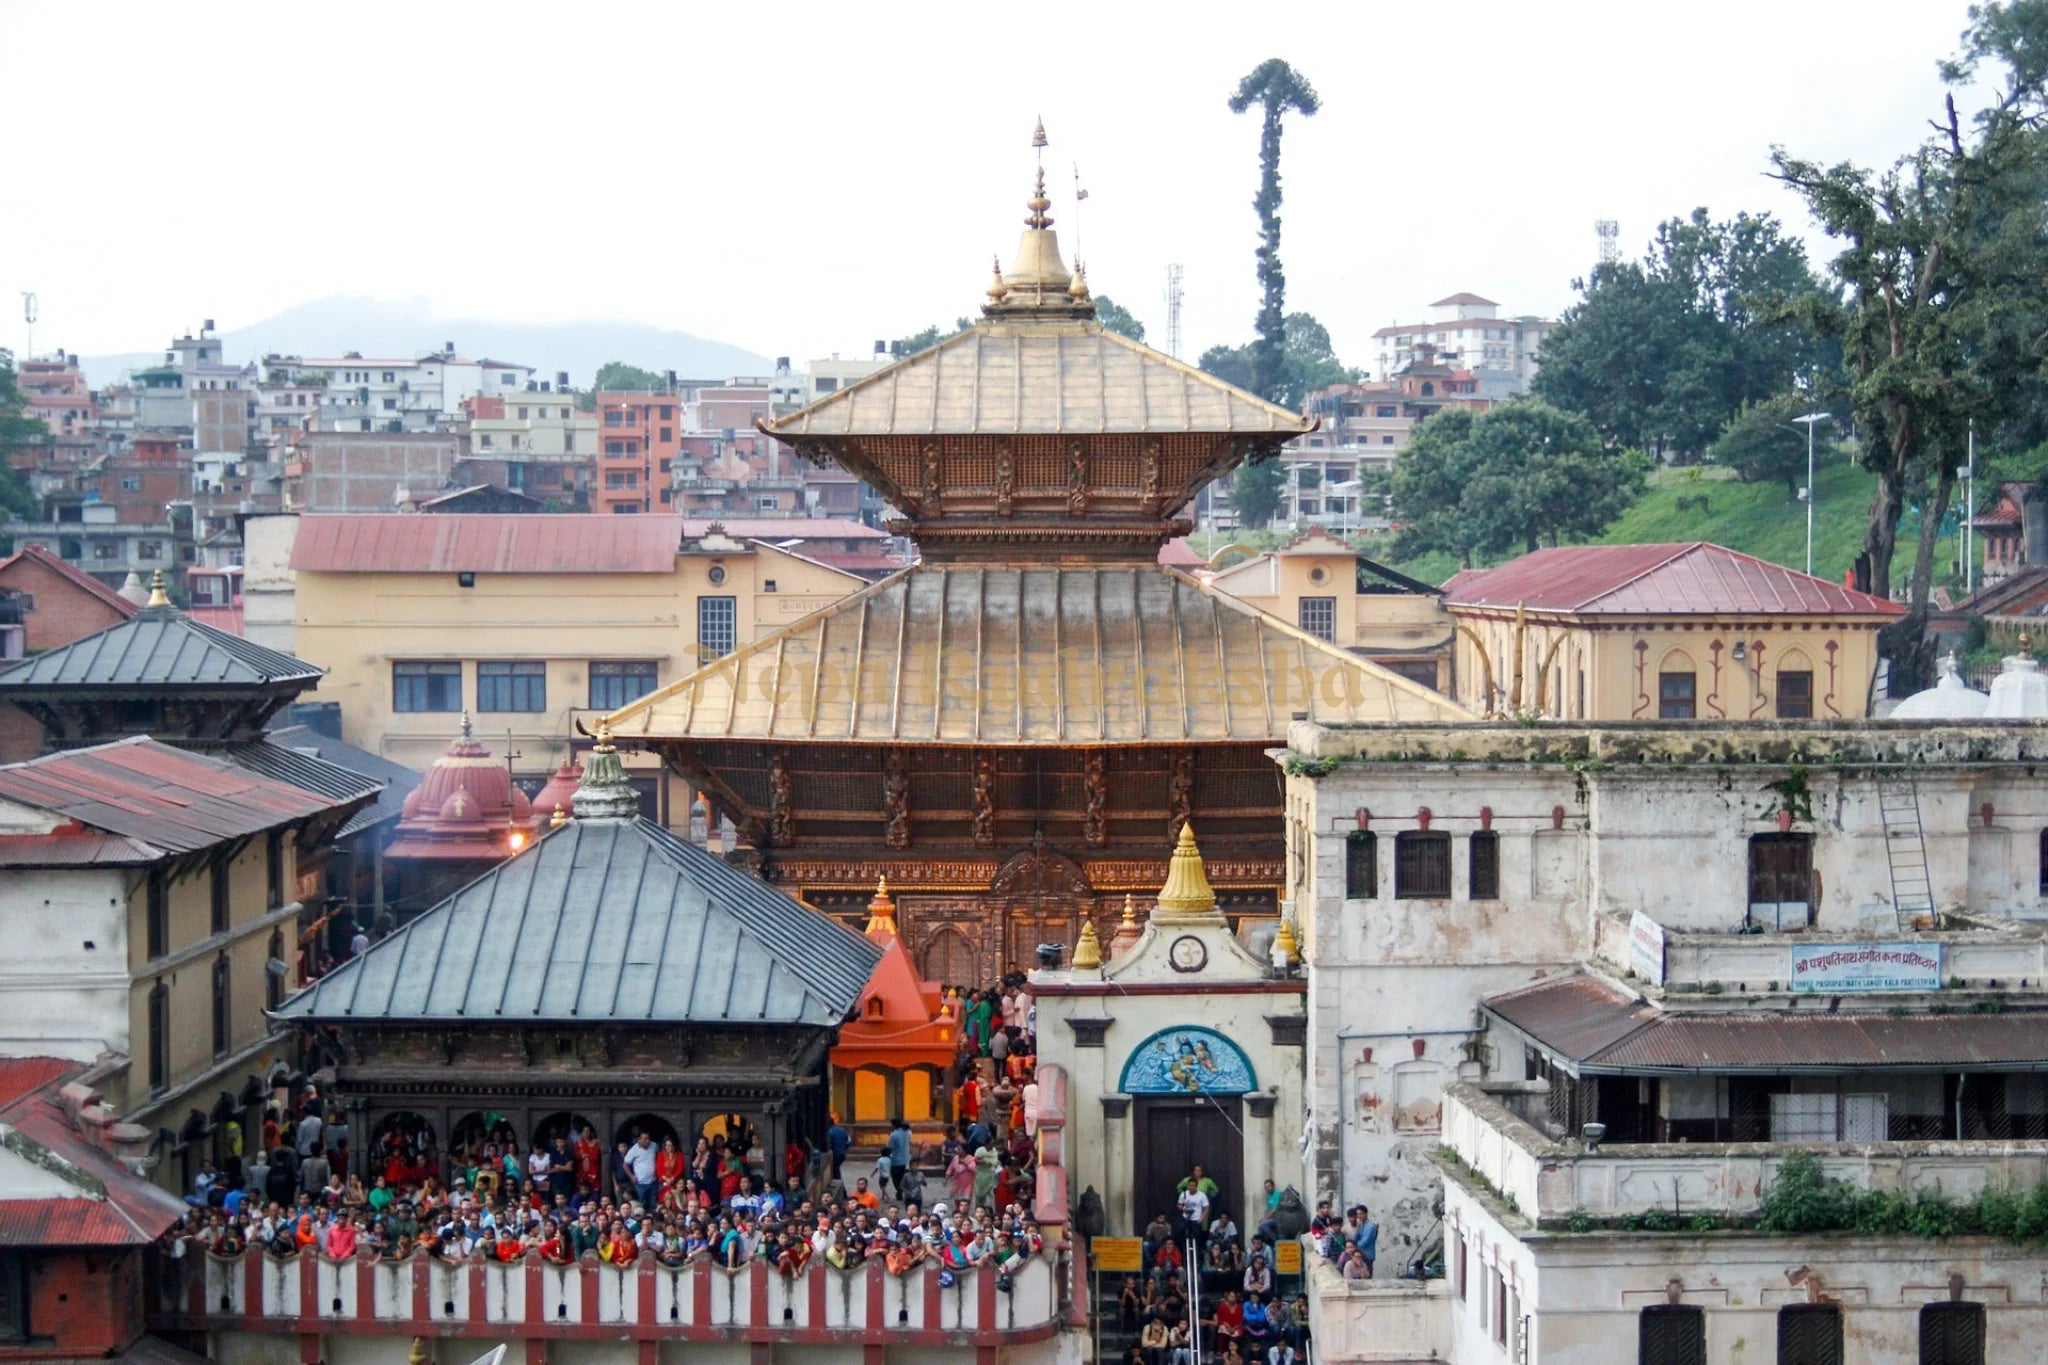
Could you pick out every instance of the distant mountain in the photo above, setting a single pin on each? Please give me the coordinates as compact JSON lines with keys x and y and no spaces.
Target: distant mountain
{"x":379,"y":330}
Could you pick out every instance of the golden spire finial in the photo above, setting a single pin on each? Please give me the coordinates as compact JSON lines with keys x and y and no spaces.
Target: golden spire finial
{"x":158,"y":596}
{"x":1078,"y":290}
{"x":604,"y":736}
{"x":419,"y":1354}
{"x":2026,"y":640}
{"x":1038,"y":138}
{"x":559,"y":818}
{"x":881,"y":924}
{"x":1130,"y":911}
{"x":1285,"y":941}
{"x":1187,"y":892}
{"x":1088,"y":951}
{"x":1038,"y":204}
{"x":997,"y":290}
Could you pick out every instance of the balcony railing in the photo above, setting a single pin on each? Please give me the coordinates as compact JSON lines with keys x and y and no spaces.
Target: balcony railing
{"x":1549,"y":1180}
{"x":533,"y":1298}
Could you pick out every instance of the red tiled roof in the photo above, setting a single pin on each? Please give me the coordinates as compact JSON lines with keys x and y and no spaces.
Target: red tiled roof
{"x":1692,"y":579}
{"x":21,"y":1077}
{"x":75,"y":1221}
{"x":171,"y":799}
{"x":83,"y":580}
{"x":1178,"y":554}
{"x":486,"y":542}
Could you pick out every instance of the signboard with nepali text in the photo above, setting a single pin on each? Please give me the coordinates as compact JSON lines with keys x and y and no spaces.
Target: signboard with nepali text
{"x":1840,"y":968}
{"x":1646,"y":948}
{"x":1125,"y":1254}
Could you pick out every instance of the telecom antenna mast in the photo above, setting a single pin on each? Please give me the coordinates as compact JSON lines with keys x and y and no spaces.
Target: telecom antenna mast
{"x":28,"y":316}
{"x":1609,"y":232}
{"x":1173,"y":295}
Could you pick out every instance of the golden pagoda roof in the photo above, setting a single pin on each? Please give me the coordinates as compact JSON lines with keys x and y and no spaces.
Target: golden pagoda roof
{"x":1026,"y":375}
{"x":1022,"y":654}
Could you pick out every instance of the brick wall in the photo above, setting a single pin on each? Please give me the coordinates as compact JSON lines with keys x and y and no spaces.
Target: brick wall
{"x":81,"y":1304}
{"x":362,"y":471}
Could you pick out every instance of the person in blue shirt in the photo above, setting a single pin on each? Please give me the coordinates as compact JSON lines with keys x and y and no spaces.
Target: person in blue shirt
{"x":839,"y":1140}
{"x":897,"y":1150}
{"x":1365,"y":1235}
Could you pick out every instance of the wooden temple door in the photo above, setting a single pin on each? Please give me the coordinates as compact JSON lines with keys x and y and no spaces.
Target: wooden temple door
{"x":1038,"y":896}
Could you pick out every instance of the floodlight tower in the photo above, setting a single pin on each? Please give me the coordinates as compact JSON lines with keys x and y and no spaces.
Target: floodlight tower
{"x":1173,"y":295}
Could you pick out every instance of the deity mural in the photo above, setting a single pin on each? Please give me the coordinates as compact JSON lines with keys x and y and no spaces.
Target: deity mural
{"x":1187,"y":1061}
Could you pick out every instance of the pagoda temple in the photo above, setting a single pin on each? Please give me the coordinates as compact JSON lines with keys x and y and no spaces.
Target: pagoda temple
{"x":1014,"y":729}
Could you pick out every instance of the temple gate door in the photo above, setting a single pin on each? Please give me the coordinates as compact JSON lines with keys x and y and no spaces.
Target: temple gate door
{"x":1038,"y":896}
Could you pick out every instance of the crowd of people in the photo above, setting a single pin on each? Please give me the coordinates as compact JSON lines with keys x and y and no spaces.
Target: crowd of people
{"x":1230,"y":1296}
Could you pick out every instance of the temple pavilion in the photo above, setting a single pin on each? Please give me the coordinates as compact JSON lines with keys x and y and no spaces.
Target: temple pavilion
{"x":1014,"y":729}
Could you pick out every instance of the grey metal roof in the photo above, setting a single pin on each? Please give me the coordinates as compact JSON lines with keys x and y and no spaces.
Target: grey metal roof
{"x":393,"y":781}
{"x":158,"y":647}
{"x":605,"y":921}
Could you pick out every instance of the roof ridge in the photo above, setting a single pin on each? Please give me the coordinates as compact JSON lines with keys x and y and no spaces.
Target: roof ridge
{"x":1679,"y":550}
{"x":41,"y":555}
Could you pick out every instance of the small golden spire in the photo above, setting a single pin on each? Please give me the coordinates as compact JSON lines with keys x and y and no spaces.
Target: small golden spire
{"x":419,"y":1355}
{"x":1187,"y":892}
{"x":1088,"y":951}
{"x":1285,"y":941}
{"x":997,"y":290}
{"x":881,"y":924}
{"x":1130,"y":911}
{"x":604,"y":736}
{"x":1038,"y":204}
{"x":1078,"y":290}
{"x":560,"y":817}
{"x":2026,"y":640}
{"x":158,"y":597}
{"x":1038,"y":138}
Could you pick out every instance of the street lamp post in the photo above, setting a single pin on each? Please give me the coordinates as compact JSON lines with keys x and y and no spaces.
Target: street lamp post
{"x":1808,"y":422}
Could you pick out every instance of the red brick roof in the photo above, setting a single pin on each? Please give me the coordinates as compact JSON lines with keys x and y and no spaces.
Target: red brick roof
{"x":21,"y":1077}
{"x":1692,"y":579}
{"x":1178,"y":554}
{"x":83,"y":580}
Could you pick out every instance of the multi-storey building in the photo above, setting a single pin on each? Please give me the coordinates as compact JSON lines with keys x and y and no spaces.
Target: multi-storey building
{"x":57,"y":395}
{"x":370,"y":471}
{"x":537,"y":442}
{"x":638,"y":438}
{"x":1467,"y":329}
{"x":364,"y":394}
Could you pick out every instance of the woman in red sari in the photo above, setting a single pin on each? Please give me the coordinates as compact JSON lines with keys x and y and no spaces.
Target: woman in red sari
{"x":668,"y":1167}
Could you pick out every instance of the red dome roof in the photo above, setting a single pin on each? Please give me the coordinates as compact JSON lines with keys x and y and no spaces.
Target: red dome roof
{"x":465,"y":807}
{"x":559,"y":791}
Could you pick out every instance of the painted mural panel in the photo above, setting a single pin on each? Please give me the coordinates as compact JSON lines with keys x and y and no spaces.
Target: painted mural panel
{"x":1188,"y":1061}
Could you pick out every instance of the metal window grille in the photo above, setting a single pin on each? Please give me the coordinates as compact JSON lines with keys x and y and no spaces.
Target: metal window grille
{"x":1952,"y":1334}
{"x":616,"y":684}
{"x":1318,"y":616}
{"x":1810,"y":1334}
{"x":716,"y":626}
{"x":1422,"y":865}
{"x":1672,"y":1334}
{"x":426,"y":687}
{"x":1484,"y":859}
{"x":1795,"y":696}
{"x":1675,"y":693}
{"x":511,"y":687}
{"x":1362,"y":865}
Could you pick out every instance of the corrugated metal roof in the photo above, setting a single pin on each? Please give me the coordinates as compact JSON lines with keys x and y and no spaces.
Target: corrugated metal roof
{"x":1068,"y":377}
{"x":1596,"y":1030}
{"x":395,"y":780}
{"x":78,"y":1221}
{"x":21,"y":1077}
{"x":1012,"y":654}
{"x":75,"y":850}
{"x":1696,"y":578}
{"x":172,"y":799}
{"x":604,"y":920}
{"x":158,"y":647}
{"x":484,"y":542}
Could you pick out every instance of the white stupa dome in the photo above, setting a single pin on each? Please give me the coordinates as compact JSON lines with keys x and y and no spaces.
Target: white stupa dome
{"x":2020,"y":691}
{"x":1949,"y":699}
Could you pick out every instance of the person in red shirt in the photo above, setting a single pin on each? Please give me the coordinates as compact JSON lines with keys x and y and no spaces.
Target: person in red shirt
{"x":1230,"y":1317}
{"x":589,"y":1158}
{"x":668,"y":1167}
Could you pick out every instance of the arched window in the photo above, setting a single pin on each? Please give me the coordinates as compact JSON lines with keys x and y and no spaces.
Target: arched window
{"x":1794,"y":686}
{"x":223,"y":1006}
{"x":1677,"y":687}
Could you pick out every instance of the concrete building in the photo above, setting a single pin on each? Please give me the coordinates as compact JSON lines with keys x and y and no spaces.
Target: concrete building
{"x":536,"y":625}
{"x":1729,"y":936}
{"x":340,"y":471}
{"x":1672,"y":632}
{"x":1467,"y":330}
{"x":52,"y":604}
{"x":638,"y":438}
{"x":1334,"y":593}
{"x":367,"y":394}
{"x":834,"y":372}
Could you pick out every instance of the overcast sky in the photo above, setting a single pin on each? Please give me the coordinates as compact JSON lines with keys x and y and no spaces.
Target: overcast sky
{"x":802,"y":179}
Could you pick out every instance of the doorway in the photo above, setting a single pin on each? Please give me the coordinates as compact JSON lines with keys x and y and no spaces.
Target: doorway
{"x":1171,"y":1135}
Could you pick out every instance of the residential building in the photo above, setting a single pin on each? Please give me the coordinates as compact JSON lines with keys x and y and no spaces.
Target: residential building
{"x":76,"y":1220}
{"x":367,"y":394}
{"x":1688,"y":631}
{"x":176,"y":878}
{"x":50,"y":604}
{"x":1336,"y":594}
{"x":340,"y":471}
{"x":1590,"y":985}
{"x":57,"y":394}
{"x":537,"y":442}
{"x":535,"y":625}
{"x":834,"y":372}
{"x":638,"y":438}
{"x":99,"y":544}
{"x":1468,"y":330}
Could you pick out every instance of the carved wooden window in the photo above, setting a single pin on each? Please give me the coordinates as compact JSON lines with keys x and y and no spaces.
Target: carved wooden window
{"x":1483,"y":859}
{"x":1672,"y":1334}
{"x":1362,"y":865}
{"x":1952,"y":1334}
{"x":1675,"y":696}
{"x":1422,"y":865}
{"x":1780,"y":874}
{"x":1795,"y":696}
{"x":1810,"y":1334}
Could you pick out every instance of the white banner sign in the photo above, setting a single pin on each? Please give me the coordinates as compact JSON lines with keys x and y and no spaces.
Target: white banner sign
{"x":1646,"y":948}
{"x":1839,"y":968}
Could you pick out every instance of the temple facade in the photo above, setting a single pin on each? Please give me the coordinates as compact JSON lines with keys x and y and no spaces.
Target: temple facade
{"x":1015,"y":729}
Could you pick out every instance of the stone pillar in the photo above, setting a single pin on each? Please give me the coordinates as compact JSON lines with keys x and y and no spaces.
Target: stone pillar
{"x":1115,"y":1159}
{"x":1259,"y":1157}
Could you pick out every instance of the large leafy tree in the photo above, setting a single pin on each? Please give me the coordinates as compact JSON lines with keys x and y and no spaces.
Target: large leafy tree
{"x":1521,"y":476}
{"x":616,"y":376}
{"x":1307,"y":362}
{"x":1117,"y":318}
{"x":928,"y":338}
{"x":18,"y":432}
{"x":1278,"y":90}
{"x":1941,"y":321}
{"x":1660,"y":354}
{"x":1764,"y":443}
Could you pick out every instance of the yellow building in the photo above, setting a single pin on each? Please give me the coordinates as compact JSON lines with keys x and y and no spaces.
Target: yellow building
{"x":1334,"y":593}
{"x":534,"y":625}
{"x":1671,"y":632}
